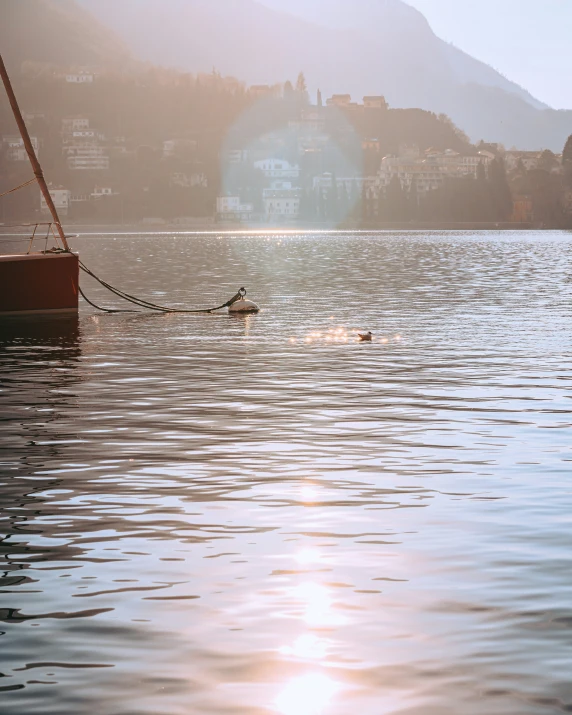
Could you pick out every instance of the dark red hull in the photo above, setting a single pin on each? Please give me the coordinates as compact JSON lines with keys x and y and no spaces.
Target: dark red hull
{"x":39,"y":283}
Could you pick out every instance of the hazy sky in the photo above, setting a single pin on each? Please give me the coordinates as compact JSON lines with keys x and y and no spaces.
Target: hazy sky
{"x":529,"y":41}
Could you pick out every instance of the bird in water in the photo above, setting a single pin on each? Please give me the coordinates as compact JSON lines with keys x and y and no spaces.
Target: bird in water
{"x":366,"y":337}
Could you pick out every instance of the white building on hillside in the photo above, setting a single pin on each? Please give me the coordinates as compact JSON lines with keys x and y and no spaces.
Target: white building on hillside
{"x":530,"y":159}
{"x":352,"y":185}
{"x":15,"y":149}
{"x":238,"y":156}
{"x":281,"y":204}
{"x":188,"y":181}
{"x":80,"y":78}
{"x":61,"y":198}
{"x":75,"y":124}
{"x":428,"y":171}
{"x":278,"y":169}
{"x":87,"y":157}
{"x":172,"y":147}
{"x":100,"y":192}
{"x":230,"y":208}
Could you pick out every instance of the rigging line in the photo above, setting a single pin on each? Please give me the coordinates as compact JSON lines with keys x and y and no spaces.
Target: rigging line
{"x":26,"y":183}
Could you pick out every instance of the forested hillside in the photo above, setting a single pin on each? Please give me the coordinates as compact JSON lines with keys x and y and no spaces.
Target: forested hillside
{"x":57,"y":32}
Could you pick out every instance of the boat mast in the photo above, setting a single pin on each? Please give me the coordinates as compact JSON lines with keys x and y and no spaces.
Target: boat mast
{"x":38,"y":173}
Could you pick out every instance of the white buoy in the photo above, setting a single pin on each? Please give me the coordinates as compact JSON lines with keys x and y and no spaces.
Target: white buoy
{"x":243,"y":306}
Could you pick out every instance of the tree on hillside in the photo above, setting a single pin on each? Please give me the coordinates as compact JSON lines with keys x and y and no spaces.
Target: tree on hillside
{"x":546,"y":192}
{"x":548,"y":161}
{"x":567,"y":153}
{"x":482,"y":199}
{"x":445,"y":119}
{"x":520,"y":168}
{"x":567,"y":161}
{"x":333,"y":197}
{"x":302,"y":91}
{"x":395,"y":201}
{"x":500,"y":190}
{"x":413,"y":199}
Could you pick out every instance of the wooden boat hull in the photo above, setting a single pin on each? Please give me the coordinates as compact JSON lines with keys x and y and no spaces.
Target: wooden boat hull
{"x":39,"y":283}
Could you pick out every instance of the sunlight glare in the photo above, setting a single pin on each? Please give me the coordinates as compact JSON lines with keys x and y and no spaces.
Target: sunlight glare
{"x":307,"y":695}
{"x":318,"y":605}
{"x":307,"y":556}
{"x":307,"y":647}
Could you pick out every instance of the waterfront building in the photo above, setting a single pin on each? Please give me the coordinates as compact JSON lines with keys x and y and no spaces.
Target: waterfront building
{"x":281,"y":203}
{"x":101,"y":192}
{"x":231,"y":208}
{"x":427,"y":171}
{"x":61,"y":198}
{"x":351,"y":184}
{"x":523,"y":210}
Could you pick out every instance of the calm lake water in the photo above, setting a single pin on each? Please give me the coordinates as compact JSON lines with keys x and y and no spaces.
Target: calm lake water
{"x":248,"y":516}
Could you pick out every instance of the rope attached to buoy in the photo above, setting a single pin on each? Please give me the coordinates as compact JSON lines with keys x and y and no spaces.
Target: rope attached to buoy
{"x":148,"y":305}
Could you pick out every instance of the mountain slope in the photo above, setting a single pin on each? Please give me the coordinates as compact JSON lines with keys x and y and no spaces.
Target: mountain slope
{"x":56,"y":32}
{"x":362,"y":47}
{"x":384,"y":19}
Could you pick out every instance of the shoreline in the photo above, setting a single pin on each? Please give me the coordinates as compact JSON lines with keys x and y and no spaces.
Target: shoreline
{"x":290,"y":227}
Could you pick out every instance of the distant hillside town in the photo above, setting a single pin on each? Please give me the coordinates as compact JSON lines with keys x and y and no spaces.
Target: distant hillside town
{"x":166,"y":148}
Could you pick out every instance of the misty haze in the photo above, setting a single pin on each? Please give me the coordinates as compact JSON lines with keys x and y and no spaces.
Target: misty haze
{"x":285,"y":365}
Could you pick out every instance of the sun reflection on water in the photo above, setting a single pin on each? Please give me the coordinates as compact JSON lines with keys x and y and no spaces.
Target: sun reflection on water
{"x":307,"y":556}
{"x":341,"y":334}
{"x":318,"y":605}
{"x":307,"y":647}
{"x":308,"y":694}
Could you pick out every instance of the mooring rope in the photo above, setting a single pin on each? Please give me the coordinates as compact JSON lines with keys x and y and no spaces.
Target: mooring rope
{"x":98,"y":307}
{"x":142,"y":303}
